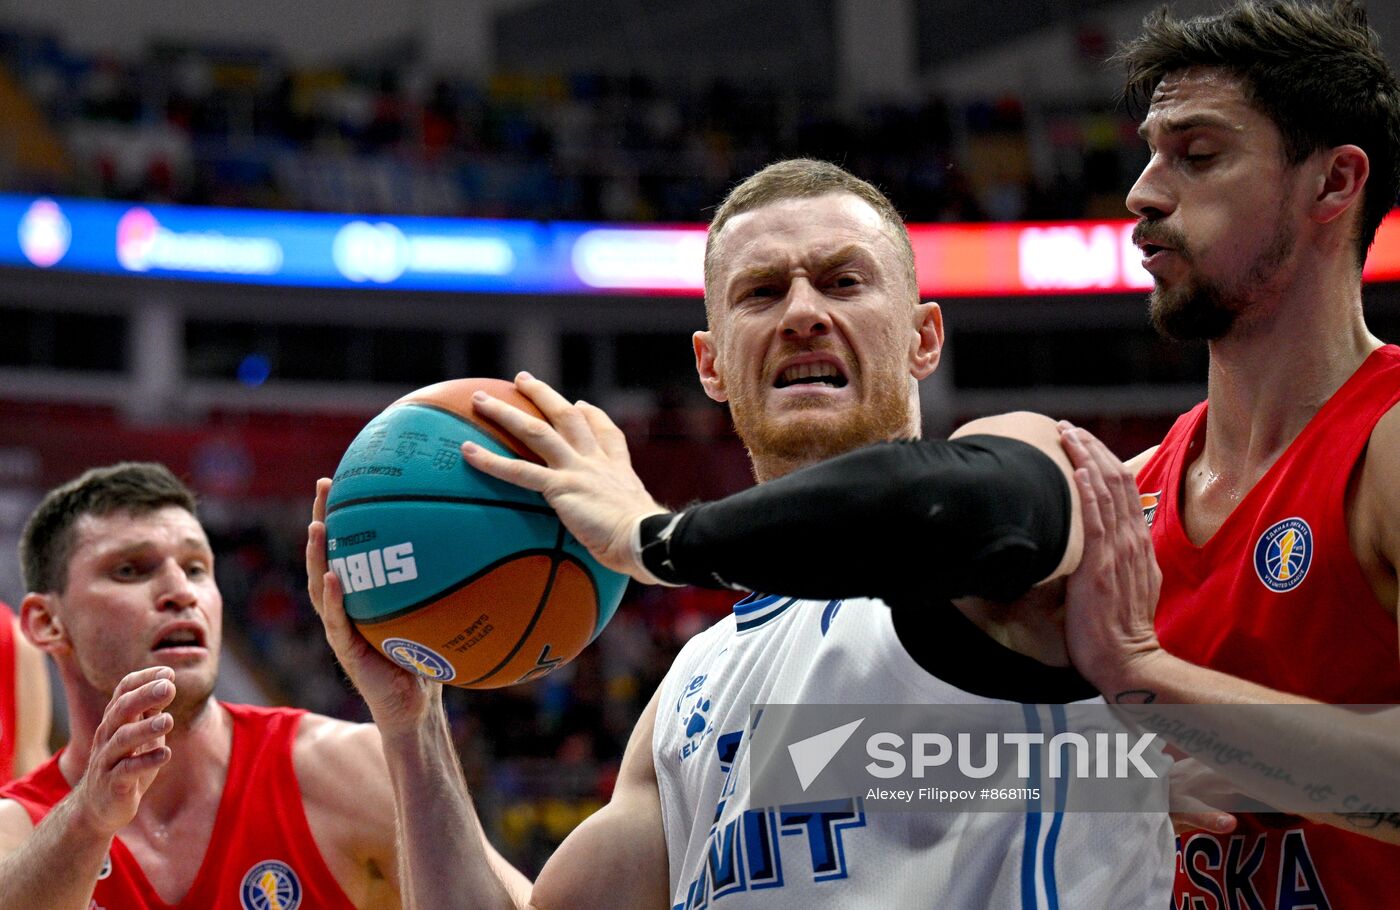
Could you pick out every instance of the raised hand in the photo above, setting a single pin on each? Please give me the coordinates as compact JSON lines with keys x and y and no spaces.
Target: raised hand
{"x":397,"y":698}
{"x":1112,"y":597}
{"x":128,"y":750}
{"x":587,"y":476}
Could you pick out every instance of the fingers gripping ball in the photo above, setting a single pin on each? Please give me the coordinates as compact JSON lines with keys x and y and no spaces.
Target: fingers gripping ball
{"x":453,"y":574}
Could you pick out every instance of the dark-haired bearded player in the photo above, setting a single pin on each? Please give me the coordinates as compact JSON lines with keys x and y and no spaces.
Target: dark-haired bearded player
{"x":1274,"y":132}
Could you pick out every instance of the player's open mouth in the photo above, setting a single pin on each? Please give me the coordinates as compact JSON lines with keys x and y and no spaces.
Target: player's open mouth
{"x":1154,"y":254}
{"x":824,"y":374}
{"x":181,"y":637}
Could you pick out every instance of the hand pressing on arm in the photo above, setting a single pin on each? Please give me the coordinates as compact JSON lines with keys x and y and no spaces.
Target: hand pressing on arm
{"x":1111,"y":600}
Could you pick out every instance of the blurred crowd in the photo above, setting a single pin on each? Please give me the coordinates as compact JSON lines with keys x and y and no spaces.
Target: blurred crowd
{"x":244,"y":128}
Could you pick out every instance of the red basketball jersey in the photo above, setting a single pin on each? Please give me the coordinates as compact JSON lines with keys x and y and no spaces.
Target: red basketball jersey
{"x":261,"y":855}
{"x":9,"y":681}
{"x":1277,"y":597}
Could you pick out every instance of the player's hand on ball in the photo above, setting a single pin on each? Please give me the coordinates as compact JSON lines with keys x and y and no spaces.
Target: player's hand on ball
{"x":587,"y":475}
{"x":128,"y":750}
{"x":396,"y":697}
{"x":1112,"y":597}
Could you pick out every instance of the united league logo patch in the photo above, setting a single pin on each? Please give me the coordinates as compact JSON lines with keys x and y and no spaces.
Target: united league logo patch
{"x":1283,"y":554}
{"x":270,"y":885}
{"x":419,"y":658}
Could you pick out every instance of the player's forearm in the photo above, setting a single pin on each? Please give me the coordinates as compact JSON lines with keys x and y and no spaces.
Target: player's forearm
{"x":1161,"y":677}
{"x":443,"y":860}
{"x":904,"y":521}
{"x":56,"y":868}
{"x":1288,"y":751}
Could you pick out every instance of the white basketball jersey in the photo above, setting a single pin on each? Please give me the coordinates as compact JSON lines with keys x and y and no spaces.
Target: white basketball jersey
{"x":727,"y":855}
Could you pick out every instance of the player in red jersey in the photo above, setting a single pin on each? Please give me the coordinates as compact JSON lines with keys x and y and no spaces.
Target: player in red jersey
{"x":164,"y":796}
{"x":25,"y":712}
{"x":1274,"y":139}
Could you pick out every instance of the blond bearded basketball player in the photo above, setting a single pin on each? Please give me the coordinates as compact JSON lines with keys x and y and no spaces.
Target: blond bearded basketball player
{"x":817,"y":340}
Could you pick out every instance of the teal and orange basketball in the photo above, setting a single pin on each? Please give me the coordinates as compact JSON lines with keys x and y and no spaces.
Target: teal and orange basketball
{"x":453,"y":574}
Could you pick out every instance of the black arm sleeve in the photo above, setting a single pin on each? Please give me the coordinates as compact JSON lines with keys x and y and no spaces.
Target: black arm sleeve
{"x":903,"y":521}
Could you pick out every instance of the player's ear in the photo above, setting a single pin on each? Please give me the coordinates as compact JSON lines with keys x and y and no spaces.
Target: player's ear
{"x":42,"y":625}
{"x":927,"y":346}
{"x":1342,"y":183}
{"x":706,"y":352}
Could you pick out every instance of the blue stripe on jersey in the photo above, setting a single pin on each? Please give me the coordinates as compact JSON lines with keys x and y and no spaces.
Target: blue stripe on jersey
{"x":1032,"y":836}
{"x":754,"y":602}
{"x":1058,"y":723}
{"x":771,"y":611}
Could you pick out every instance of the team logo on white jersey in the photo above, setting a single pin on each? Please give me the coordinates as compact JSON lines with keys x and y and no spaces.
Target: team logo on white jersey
{"x":270,"y":885}
{"x":419,"y":658}
{"x":693,"y":715}
{"x":1283,"y":554}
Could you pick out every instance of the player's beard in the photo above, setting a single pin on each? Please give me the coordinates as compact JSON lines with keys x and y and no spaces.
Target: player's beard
{"x":1194,"y":311}
{"x":1202,"y":309}
{"x":804,"y":435}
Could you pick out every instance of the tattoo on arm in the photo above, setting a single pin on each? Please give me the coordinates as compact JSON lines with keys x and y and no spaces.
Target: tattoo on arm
{"x":1370,"y":821}
{"x":1135,"y":697}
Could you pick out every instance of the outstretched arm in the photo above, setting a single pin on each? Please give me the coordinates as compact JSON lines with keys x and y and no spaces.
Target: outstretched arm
{"x":990,"y":513}
{"x":444,"y":858}
{"x":615,"y":859}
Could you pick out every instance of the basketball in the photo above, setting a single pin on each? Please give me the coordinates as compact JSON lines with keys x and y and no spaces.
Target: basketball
{"x":452,"y":574}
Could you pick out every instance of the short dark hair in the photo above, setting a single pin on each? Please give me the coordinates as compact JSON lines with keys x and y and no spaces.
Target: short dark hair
{"x":1316,"y":71}
{"x":46,"y":544}
{"x":802,"y":178}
